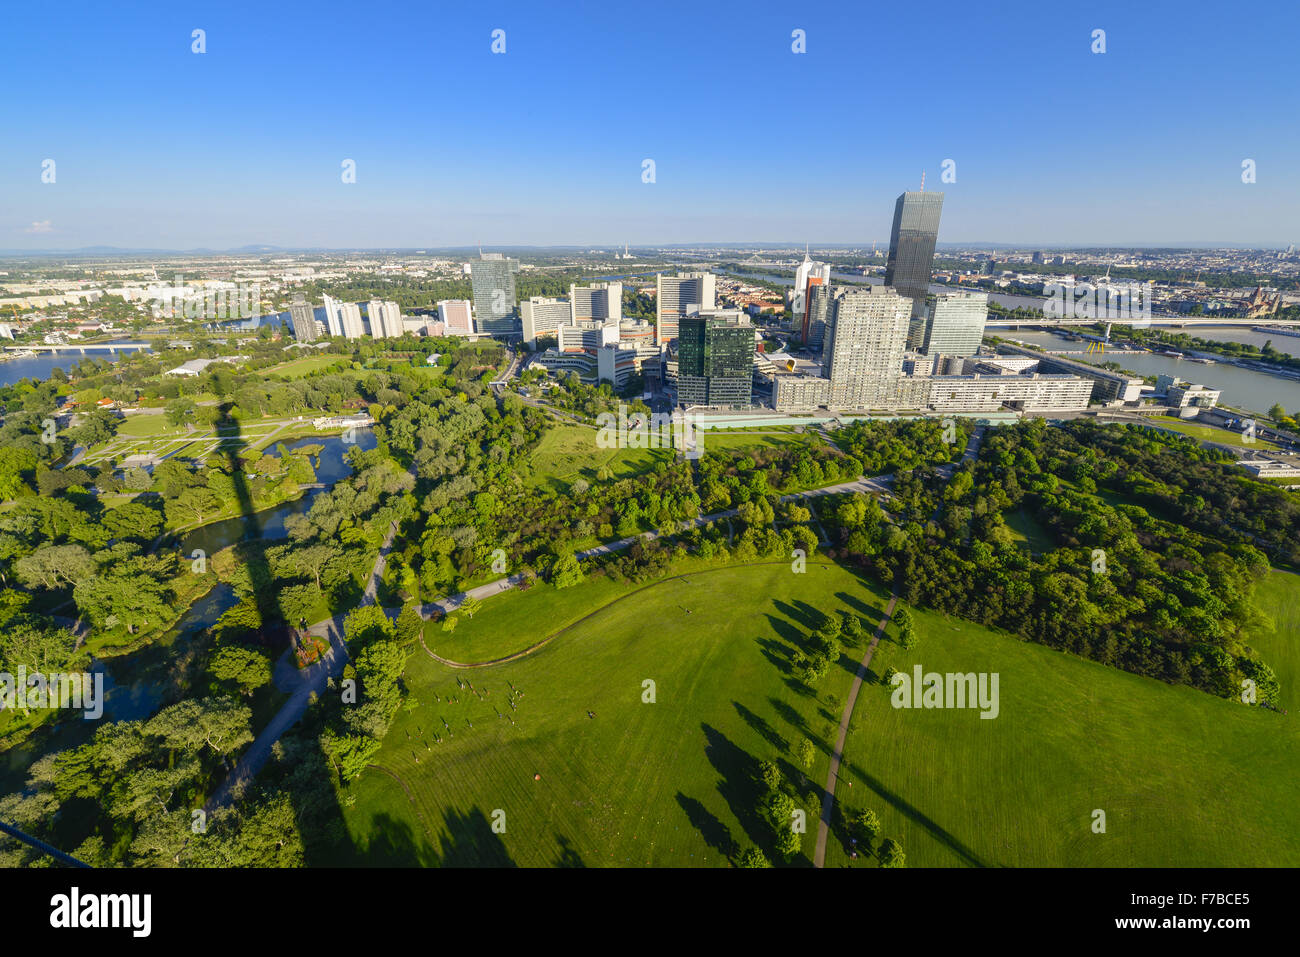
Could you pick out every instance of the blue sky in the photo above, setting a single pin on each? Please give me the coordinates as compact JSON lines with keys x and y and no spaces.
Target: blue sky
{"x":158,"y":147}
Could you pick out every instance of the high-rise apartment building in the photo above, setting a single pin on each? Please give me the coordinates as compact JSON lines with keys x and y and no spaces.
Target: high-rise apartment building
{"x":599,"y":302}
{"x":679,"y":296}
{"x":715,"y":362}
{"x":815,"y":316}
{"x":385,"y":319}
{"x":866,"y":338}
{"x":911,"y":253}
{"x":541,"y":316}
{"x":303,"y":318}
{"x":350,"y":320}
{"x":493,"y":281}
{"x":333,"y":324}
{"x":956,"y":324}
{"x":808,"y":275}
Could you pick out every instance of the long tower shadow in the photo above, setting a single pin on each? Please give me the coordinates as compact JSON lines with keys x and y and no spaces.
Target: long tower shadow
{"x":272,"y":626}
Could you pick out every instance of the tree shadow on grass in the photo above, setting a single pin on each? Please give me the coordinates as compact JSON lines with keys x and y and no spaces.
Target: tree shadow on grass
{"x":569,"y":857}
{"x":800,"y":612}
{"x":871,"y":613}
{"x":716,"y":834}
{"x":469,"y":841}
{"x":394,"y":843}
{"x":938,"y":833}
{"x":763,"y":727}
{"x":739,"y":786}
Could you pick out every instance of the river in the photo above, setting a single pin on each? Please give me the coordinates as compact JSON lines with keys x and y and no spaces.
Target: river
{"x":1242,"y":388}
{"x":42,"y":365}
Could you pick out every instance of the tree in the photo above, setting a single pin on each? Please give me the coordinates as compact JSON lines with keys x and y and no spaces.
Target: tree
{"x":470,"y":606}
{"x":891,"y":854}
{"x":807,"y":753}
{"x":769,"y":774}
{"x":178,"y":411}
{"x":752,"y":857}
{"x":246,"y":667}
{"x":54,"y":566}
{"x":566,"y":571}
{"x":867,"y":826}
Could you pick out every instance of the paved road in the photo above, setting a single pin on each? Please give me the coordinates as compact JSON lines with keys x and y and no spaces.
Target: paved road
{"x":832,"y":776}
{"x":304,"y":683}
{"x":828,"y":798}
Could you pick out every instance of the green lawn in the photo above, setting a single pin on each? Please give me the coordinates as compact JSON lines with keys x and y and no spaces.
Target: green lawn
{"x":1209,"y":433}
{"x":144,"y":425}
{"x":300,"y":368}
{"x":1185,"y":779}
{"x":569,"y":452}
{"x":1025,"y":528}
{"x":668,"y":783}
{"x":746,"y":440}
{"x":1278,"y":641}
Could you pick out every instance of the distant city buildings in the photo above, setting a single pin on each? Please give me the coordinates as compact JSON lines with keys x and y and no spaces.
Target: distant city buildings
{"x":493,"y":280}
{"x":911,"y":253}
{"x":679,"y":296}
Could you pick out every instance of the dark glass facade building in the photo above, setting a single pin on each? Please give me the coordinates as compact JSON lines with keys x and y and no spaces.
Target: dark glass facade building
{"x":715,"y":362}
{"x":911,"y":253}
{"x":493,"y":282}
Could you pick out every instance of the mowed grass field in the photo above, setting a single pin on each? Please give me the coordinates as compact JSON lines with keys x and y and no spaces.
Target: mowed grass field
{"x":569,"y":452}
{"x":1209,"y":433}
{"x":1184,"y":779}
{"x":299,"y":368}
{"x":663,"y":783}
{"x":1278,"y":641}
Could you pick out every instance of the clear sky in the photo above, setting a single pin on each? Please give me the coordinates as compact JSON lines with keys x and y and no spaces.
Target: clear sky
{"x":158,"y":147}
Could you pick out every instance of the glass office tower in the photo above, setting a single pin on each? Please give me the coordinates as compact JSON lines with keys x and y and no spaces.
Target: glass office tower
{"x":911,"y":253}
{"x":715,"y":362}
{"x":493,"y":281}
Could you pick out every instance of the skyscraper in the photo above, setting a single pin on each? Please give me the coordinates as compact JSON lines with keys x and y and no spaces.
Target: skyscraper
{"x":678,"y":296}
{"x":866,"y":338}
{"x":350,"y":320}
{"x":956,"y":325}
{"x":911,"y":253}
{"x":303,"y":318}
{"x":601,"y":301}
{"x":808,"y":274}
{"x":333,"y":321}
{"x":816,"y":314}
{"x":385,"y":319}
{"x":493,"y":280}
{"x":541,"y":316}
{"x":715,"y":362}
